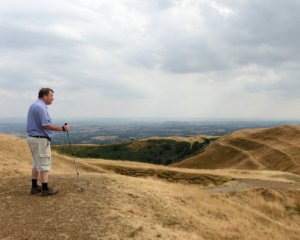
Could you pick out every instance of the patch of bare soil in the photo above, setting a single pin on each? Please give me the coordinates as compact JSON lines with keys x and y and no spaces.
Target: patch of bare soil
{"x":71,"y":214}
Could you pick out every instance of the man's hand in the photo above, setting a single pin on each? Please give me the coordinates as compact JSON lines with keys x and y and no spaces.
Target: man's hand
{"x":66,"y":127}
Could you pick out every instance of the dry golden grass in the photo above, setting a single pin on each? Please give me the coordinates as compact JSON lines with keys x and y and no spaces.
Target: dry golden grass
{"x":275,"y":148}
{"x":116,"y":206}
{"x":15,"y":156}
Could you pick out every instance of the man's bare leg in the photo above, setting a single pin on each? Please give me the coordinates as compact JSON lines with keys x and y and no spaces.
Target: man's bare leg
{"x":35,"y":174}
{"x":44,"y":176}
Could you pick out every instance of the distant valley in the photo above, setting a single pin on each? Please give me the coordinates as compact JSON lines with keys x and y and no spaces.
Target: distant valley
{"x":107,"y":131}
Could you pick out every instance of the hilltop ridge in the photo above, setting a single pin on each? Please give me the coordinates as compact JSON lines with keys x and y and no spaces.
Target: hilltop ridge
{"x":276,"y":148}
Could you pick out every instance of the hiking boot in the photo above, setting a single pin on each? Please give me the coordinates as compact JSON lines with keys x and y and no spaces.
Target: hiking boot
{"x":36,"y":190}
{"x":49,"y":192}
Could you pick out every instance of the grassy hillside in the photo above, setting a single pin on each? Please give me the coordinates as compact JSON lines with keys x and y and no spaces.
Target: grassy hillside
{"x":155,"y":150}
{"x":132,"y":200}
{"x":275,"y":148}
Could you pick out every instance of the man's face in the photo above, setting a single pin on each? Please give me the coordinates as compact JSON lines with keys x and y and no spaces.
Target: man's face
{"x":49,"y":98}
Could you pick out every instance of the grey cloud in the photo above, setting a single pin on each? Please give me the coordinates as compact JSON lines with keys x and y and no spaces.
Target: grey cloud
{"x":194,"y":57}
{"x":18,"y":38}
{"x":264,"y":32}
{"x":154,"y":5}
{"x":100,"y":44}
{"x":257,"y":32}
{"x":15,"y":80}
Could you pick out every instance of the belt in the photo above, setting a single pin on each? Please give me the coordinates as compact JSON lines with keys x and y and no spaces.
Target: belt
{"x":41,"y":137}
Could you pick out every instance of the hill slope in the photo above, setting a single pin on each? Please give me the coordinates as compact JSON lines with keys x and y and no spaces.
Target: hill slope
{"x":275,"y":148}
{"x":127,"y":200}
{"x":158,"y":150}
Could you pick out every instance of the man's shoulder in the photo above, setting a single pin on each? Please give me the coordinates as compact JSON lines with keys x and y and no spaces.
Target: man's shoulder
{"x":37,"y":104}
{"x":35,"y":108}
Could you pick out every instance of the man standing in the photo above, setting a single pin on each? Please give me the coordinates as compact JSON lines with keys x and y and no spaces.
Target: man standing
{"x":39,"y":129}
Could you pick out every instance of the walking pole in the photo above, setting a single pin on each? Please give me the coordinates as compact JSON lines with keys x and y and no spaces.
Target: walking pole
{"x":74,"y":159}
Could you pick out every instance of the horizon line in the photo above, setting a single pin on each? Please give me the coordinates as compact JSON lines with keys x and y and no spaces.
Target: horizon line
{"x":165,"y":118}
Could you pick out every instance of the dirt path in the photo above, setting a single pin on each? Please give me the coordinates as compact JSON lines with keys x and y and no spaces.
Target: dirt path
{"x":248,"y":183}
{"x":273,"y":147}
{"x":254,"y":160}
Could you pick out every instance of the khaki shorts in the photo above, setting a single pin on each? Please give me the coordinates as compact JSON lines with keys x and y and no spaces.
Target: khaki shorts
{"x":41,"y":153}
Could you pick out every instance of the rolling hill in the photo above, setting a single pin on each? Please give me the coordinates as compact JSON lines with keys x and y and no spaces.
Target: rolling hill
{"x":275,"y":148}
{"x":133,"y":200}
{"x":158,"y":150}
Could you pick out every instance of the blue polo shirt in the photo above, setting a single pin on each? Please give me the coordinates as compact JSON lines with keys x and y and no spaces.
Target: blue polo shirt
{"x":38,"y":117}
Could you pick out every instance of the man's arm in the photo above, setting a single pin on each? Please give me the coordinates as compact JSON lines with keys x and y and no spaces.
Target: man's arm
{"x":57,"y":128}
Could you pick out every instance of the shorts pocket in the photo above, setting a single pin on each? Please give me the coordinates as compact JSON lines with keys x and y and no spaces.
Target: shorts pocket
{"x":45,"y":161}
{"x":45,"y":155}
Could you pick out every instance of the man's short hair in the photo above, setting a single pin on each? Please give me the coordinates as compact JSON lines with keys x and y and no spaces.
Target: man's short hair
{"x":44,"y":92}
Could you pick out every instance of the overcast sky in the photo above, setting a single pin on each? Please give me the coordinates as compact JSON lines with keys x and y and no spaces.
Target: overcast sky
{"x":158,"y":58}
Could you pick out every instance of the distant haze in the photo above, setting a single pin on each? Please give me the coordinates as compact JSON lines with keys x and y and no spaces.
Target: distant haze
{"x":158,"y":58}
